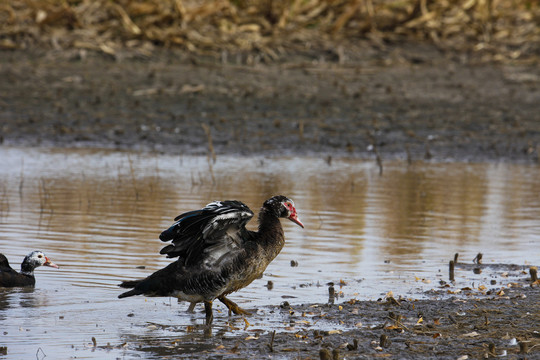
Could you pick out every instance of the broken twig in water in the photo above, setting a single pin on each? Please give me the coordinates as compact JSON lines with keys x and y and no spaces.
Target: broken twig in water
{"x":379,"y":160}
{"x":324,"y":354}
{"x":523,"y":347}
{"x":451,"y":270}
{"x":384,"y":341}
{"x":533,"y":270}
{"x":427,"y":154}
{"x":353,"y":346}
{"x":211,"y":153}
{"x":491,"y":350}
{"x":478,"y":259}
{"x":271,"y":345}
{"x":331,"y":294}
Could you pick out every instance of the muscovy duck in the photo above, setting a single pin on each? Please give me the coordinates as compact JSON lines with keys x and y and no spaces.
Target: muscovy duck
{"x":217,"y":255}
{"x":11,"y":278}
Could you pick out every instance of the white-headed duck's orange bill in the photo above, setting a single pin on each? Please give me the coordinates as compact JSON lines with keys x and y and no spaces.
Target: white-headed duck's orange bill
{"x":51,"y":264}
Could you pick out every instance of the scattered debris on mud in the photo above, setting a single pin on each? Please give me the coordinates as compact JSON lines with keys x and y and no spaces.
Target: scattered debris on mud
{"x":449,"y":324}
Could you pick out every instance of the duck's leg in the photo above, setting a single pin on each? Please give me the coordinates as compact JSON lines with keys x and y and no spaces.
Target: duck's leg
{"x":191,"y":307}
{"x":232,"y":306}
{"x":208,"y":311}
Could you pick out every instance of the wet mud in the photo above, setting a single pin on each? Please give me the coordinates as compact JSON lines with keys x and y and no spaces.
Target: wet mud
{"x":411,"y":102}
{"x":470,"y":324}
{"x":499,"y":319}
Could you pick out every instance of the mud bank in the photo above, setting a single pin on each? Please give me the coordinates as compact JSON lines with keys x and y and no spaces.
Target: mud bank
{"x":406,"y":102}
{"x":500,"y":323}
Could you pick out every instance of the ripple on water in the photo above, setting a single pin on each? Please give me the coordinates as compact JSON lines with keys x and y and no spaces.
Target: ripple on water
{"x":98,"y":215}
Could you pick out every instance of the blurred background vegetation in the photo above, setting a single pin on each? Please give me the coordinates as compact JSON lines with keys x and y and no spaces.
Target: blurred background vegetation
{"x":496,"y":29}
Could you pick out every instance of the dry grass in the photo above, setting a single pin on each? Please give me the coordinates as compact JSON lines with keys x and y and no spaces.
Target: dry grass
{"x":508,"y":29}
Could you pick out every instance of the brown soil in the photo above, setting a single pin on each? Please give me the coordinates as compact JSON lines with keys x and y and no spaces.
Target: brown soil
{"x":410,"y":101}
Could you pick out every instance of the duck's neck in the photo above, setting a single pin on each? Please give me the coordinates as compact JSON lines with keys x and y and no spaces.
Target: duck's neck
{"x":270,"y":232}
{"x":27,"y":269}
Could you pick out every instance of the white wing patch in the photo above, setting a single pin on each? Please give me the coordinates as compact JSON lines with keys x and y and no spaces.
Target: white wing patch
{"x":214,"y":205}
{"x":218,"y":220}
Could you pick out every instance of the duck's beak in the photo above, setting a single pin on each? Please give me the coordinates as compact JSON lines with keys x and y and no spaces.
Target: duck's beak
{"x":48,"y":262}
{"x":294,"y":218}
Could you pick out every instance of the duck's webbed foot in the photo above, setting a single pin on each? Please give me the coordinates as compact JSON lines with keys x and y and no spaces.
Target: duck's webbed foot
{"x":232,"y":306}
{"x":208,"y":311}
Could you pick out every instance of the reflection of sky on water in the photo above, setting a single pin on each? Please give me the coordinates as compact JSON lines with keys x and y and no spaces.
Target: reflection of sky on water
{"x":98,"y":215}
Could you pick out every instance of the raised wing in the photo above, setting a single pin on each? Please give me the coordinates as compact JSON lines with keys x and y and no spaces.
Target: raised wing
{"x":208,"y":234}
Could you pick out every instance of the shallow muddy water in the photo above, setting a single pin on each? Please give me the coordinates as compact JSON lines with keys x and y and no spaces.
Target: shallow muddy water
{"x":98,"y":215}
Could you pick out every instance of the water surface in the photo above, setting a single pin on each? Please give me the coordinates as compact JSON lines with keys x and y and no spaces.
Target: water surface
{"x":98,"y":215}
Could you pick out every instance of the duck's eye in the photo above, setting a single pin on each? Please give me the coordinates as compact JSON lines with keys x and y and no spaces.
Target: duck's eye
{"x":40,"y":256}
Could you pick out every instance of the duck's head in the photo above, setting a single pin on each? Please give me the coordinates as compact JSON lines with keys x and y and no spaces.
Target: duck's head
{"x":35,"y":259}
{"x":283,"y":207}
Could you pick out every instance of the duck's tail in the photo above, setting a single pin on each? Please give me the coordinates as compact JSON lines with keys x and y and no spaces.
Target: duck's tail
{"x":130,"y":284}
{"x":130,"y":293}
{"x":160,"y":283}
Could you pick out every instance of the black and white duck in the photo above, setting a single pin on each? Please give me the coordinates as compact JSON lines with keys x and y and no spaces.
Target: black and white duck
{"x":217,"y":255}
{"x":11,"y":278}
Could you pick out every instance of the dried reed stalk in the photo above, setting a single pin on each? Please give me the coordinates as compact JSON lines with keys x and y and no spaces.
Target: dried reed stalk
{"x":510,"y":28}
